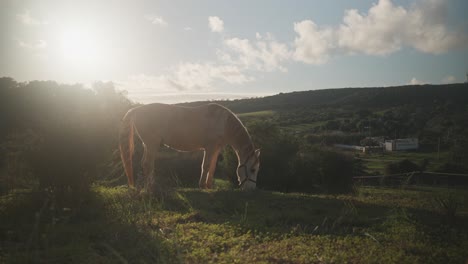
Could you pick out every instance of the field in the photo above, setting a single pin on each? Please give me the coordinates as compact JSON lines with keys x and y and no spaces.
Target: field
{"x":376,"y":162}
{"x":183,"y":225}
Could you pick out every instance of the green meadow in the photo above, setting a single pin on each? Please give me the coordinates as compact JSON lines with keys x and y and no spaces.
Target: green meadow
{"x":377,"y":162}
{"x":185,"y":225}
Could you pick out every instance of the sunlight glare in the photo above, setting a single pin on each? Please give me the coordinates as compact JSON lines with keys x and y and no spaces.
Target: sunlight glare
{"x":81,"y":49}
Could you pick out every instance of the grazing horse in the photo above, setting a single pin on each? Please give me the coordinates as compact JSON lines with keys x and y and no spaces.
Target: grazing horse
{"x":208,"y":127}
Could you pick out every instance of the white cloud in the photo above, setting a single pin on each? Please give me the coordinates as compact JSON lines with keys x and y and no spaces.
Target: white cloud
{"x":185,"y":77}
{"x":202,"y":76}
{"x":156,"y":20}
{"x":216,"y":24}
{"x":38,"y":45}
{"x":379,"y":32}
{"x":264,"y":54}
{"x":384,"y":29}
{"x":234,"y":65}
{"x":415,"y":81}
{"x":187,"y":28}
{"x":142,"y":83}
{"x":449,"y":79}
{"x":313,"y":45}
{"x":27,"y":19}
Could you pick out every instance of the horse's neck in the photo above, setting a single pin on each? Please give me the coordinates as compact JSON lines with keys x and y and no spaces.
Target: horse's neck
{"x":243,"y":152}
{"x":239,"y":138}
{"x":243,"y":146}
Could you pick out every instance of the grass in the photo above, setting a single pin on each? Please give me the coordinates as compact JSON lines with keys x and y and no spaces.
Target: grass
{"x":114,"y":225}
{"x":265,"y":113}
{"x":303,"y":128}
{"x":376,"y":162}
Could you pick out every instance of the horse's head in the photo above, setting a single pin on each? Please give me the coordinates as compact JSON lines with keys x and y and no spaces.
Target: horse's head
{"x":247,"y":172}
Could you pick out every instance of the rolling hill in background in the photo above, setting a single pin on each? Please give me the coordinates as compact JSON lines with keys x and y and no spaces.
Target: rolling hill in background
{"x":436,"y":114}
{"x":375,"y":97}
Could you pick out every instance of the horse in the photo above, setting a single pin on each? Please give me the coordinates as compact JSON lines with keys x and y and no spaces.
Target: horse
{"x":207,"y":128}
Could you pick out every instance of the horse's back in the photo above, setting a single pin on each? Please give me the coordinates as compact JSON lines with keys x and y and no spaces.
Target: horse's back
{"x":183,"y":128}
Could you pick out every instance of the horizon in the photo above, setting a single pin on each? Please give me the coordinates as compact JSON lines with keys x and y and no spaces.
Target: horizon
{"x":177,"y":98}
{"x":170,"y":52}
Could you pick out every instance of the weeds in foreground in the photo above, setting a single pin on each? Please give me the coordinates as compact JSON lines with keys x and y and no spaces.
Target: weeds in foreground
{"x":113,"y":225}
{"x":448,"y":204}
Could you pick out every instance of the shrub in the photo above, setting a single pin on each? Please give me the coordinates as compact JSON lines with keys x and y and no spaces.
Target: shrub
{"x":289,"y":164}
{"x":67,"y":131}
{"x":451,"y":167}
{"x":336,"y":171}
{"x":402,"y":166}
{"x":459,"y":155}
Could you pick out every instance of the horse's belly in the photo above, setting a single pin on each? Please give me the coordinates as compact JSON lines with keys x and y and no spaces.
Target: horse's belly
{"x":183,"y":147}
{"x":192,"y":140}
{"x":183,"y":141}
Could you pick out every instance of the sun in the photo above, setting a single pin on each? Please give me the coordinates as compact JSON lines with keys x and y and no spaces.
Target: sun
{"x":80,"y":48}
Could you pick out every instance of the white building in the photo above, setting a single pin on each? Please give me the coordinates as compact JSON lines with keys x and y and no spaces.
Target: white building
{"x":401,"y":144}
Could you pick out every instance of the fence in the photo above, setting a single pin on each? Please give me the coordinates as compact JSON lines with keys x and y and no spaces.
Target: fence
{"x":415,"y":178}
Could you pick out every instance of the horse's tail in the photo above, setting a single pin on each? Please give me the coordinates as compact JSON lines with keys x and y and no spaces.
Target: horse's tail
{"x":126,"y":145}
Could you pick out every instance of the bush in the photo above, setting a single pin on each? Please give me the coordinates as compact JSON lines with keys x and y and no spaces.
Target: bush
{"x":402,"y":166}
{"x":459,"y":156}
{"x":336,"y":171}
{"x":279,"y":152}
{"x":60,"y":134}
{"x":288,"y":164}
{"x":451,"y":167}
{"x":227,"y":166}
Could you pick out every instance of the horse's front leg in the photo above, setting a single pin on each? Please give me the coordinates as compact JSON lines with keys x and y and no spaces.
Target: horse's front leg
{"x":204,"y":170}
{"x":212,"y":169}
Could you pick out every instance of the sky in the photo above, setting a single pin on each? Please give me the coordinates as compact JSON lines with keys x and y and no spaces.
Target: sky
{"x":175,"y":51}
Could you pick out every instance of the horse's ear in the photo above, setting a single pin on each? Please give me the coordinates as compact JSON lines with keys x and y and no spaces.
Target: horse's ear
{"x":257,"y":152}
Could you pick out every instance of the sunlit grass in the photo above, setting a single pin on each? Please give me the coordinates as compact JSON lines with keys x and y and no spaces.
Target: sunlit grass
{"x":113,"y":225}
{"x":257,"y":114}
{"x":376,"y":162}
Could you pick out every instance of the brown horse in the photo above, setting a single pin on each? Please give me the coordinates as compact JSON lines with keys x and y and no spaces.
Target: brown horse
{"x":207,"y":127}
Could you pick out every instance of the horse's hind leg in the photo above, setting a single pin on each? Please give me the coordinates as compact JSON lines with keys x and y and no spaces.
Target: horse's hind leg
{"x":149,"y":157}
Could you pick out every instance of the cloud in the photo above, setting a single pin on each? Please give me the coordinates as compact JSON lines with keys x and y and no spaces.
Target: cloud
{"x":26,"y":19}
{"x":384,"y":29}
{"x":141,"y":83}
{"x":263,"y":54}
{"x":156,"y":20}
{"x":234,"y":65}
{"x":38,"y":45}
{"x":415,"y":81}
{"x":202,"y":76}
{"x":449,"y":79}
{"x":314,"y":44}
{"x":186,"y":77}
{"x":216,"y":24}
{"x":187,"y":28}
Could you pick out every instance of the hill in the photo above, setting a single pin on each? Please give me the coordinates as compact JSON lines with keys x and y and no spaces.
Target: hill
{"x":431,"y":113}
{"x":376,"y":97}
